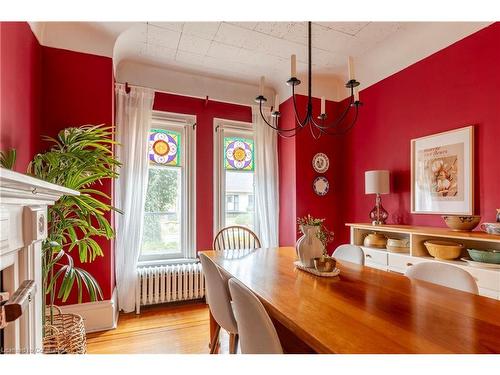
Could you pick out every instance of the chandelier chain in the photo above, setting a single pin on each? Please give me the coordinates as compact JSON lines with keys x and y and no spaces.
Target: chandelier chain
{"x":333,"y":128}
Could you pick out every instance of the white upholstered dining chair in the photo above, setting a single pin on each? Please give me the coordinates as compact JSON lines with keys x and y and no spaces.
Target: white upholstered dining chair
{"x":350,"y":253}
{"x":219,"y":303}
{"x":256,"y":330}
{"x":443,"y":274}
{"x":236,"y":237}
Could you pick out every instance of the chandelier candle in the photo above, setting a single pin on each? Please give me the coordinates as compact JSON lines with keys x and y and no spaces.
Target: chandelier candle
{"x":317,"y":128}
{"x":350,"y":67}
{"x":261,"y":90}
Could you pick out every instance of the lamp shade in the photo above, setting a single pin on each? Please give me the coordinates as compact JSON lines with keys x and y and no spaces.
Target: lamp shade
{"x":377,"y":182}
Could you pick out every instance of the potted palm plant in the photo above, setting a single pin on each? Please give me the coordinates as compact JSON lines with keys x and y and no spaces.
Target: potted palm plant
{"x":79,"y":158}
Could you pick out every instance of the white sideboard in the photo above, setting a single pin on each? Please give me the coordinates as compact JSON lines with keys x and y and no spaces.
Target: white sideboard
{"x":488,"y":280}
{"x":23,"y":227}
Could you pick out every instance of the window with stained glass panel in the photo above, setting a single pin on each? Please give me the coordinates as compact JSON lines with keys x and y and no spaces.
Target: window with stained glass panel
{"x":164,"y":147}
{"x":238,"y":161}
{"x":162,"y":231}
{"x":238,"y":154}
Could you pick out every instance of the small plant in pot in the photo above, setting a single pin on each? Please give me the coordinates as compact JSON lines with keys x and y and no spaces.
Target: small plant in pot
{"x":314,"y":241}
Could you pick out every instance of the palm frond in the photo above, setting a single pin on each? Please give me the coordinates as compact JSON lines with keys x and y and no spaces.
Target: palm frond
{"x":79,"y":158}
{"x":8,"y":158}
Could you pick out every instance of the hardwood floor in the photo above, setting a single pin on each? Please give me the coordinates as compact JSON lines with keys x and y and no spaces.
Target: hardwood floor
{"x":168,"y":329}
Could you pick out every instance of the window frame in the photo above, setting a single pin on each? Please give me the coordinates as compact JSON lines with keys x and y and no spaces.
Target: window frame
{"x":186,"y":125}
{"x":227,"y":128}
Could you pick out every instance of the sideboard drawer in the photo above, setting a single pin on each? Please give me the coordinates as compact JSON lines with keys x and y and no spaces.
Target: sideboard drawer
{"x":489,"y":293}
{"x":489,"y":279}
{"x":375,"y":258}
{"x":400,"y":262}
{"x":369,"y":263}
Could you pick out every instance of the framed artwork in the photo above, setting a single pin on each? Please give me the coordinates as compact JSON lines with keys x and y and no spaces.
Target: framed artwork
{"x":442,"y":173}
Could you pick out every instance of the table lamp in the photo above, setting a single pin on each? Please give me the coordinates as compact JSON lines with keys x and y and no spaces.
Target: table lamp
{"x":377,"y":182}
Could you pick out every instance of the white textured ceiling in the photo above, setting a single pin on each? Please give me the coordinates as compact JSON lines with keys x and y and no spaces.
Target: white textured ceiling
{"x":226,"y":59}
{"x":245,"y":51}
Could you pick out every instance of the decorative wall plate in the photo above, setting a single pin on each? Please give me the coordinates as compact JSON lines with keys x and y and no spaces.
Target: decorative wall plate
{"x":321,"y":185}
{"x":320,"y":162}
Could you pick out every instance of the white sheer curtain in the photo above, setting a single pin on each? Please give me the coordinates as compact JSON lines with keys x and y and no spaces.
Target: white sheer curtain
{"x":133,"y":121}
{"x":266,"y":180}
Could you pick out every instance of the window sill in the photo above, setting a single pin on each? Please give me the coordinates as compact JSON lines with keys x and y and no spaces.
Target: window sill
{"x":164,"y":262}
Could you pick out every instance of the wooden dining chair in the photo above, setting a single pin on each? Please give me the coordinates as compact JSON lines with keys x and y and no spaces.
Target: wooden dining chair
{"x":236,"y":237}
{"x":443,"y":274}
{"x":350,"y":253}
{"x":256,"y":330}
{"x":219,"y":303}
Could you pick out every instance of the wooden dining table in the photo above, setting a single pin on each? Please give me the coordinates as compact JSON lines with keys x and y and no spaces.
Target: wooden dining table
{"x":362,"y":310}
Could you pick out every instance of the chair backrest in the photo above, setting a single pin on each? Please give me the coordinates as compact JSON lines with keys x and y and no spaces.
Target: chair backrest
{"x":350,"y":253}
{"x":443,"y":274}
{"x":255,"y":329}
{"x":234,"y":238}
{"x":218,"y":297}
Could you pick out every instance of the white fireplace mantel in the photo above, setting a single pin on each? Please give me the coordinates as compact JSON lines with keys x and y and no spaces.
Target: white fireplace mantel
{"x":23,"y":227}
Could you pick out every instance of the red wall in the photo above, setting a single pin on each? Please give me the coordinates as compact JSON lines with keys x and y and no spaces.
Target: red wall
{"x":454,"y":87}
{"x":297,"y":197}
{"x":78,"y":90}
{"x":20,"y":58}
{"x":205,"y":115}
{"x":450,"y":89}
{"x":287,"y":178}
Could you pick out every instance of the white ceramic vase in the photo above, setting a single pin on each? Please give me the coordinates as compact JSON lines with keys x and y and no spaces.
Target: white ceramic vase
{"x":309,"y":245}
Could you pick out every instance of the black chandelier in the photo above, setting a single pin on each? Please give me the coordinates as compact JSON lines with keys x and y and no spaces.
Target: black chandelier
{"x":319,"y":127}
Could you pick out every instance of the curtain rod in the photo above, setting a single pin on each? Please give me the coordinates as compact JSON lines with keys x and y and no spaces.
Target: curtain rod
{"x":174,"y":93}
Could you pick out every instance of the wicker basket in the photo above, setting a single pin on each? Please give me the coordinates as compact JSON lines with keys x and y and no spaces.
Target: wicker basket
{"x":66,"y":334}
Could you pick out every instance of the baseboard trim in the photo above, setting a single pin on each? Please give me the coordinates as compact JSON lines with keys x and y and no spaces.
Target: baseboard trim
{"x":97,"y":316}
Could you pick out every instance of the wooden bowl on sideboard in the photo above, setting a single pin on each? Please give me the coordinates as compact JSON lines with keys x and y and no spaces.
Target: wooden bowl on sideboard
{"x":461,"y":223}
{"x":444,"y":249}
{"x":396,"y":245}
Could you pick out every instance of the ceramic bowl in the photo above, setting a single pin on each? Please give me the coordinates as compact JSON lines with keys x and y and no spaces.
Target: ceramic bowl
{"x":444,"y":249}
{"x":491,"y":228}
{"x":324,"y":264}
{"x":485,"y":256}
{"x":461,"y":223}
{"x":396,"y":245}
{"x":375,"y":240}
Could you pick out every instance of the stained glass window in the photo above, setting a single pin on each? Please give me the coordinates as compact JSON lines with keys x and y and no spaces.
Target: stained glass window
{"x":164,"y":147}
{"x":238,"y":154}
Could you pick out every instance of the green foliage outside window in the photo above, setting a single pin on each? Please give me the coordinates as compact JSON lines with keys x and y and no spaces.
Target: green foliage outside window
{"x":161,"y":218}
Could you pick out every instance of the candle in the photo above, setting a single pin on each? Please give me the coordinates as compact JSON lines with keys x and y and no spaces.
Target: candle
{"x":276,"y":103}
{"x":356,"y":94}
{"x":261,"y":86}
{"x":323,"y":111}
{"x":293,"y":70}
{"x":350,"y":67}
